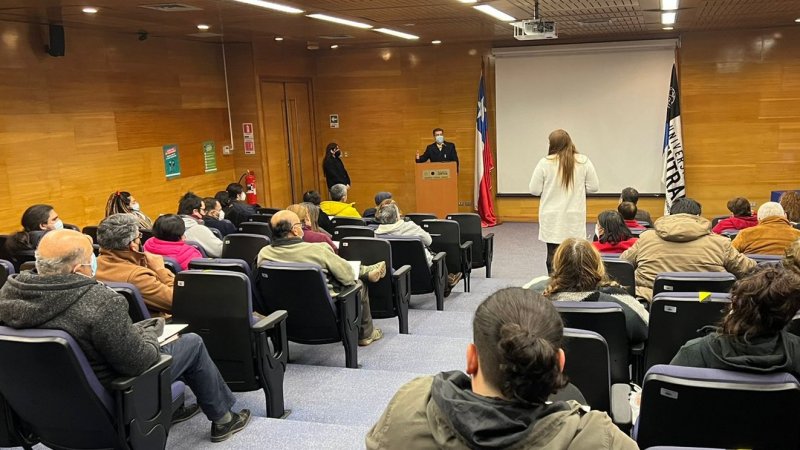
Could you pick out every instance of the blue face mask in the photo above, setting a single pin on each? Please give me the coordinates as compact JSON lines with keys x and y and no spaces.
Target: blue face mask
{"x":439,"y":139}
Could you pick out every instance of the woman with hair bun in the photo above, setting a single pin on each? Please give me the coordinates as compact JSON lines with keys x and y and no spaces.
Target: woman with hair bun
{"x":122,"y":202}
{"x":513,"y":366}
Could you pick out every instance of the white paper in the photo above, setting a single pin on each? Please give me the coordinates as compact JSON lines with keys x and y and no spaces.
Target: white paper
{"x":356,"y":265}
{"x":170,"y":330}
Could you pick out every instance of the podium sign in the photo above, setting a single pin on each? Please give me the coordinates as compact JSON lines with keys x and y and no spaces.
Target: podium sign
{"x":437,"y":188}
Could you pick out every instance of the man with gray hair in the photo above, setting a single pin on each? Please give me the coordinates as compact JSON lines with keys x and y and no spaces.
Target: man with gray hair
{"x":337,"y":205}
{"x":772,"y":235}
{"x":63,"y":295}
{"x":122,"y":260}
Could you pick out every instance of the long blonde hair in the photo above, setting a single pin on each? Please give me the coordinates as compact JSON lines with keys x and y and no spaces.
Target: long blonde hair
{"x":300,"y":210}
{"x":561,"y":145}
{"x":577,"y":267}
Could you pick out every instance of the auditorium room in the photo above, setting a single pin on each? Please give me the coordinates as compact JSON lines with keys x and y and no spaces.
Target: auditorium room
{"x":400,"y":224}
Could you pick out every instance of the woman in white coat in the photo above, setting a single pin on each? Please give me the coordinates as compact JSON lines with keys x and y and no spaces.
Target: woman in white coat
{"x":561,"y":180}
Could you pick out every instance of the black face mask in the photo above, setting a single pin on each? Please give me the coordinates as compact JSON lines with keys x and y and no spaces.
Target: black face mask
{"x":337,"y":153}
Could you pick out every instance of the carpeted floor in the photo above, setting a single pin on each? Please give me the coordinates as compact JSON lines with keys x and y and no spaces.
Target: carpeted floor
{"x":333,"y":407}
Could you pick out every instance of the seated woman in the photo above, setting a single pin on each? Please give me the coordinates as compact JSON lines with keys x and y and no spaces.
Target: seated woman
{"x":123,"y":202}
{"x":168,"y":240}
{"x":309,"y":235}
{"x":36,"y":221}
{"x":580,"y":276}
{"x":613,"y":235}
{"x":751,"y":337}
{"x":324,"y":221}
{"x":514,"y":363}
{"x":238,"y":211}
{"x":742,"y":216}
{"x":314,"y":218}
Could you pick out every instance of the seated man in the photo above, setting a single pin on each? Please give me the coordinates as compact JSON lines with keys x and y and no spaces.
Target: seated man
{"x":288,"y":246}
{"x":369,"y":213}
{"x":122,"y":260}
{"x":215,"y":217}
{"x":238,"y":211}
{"x":337,"y":205}
{"x":771,"y":236}
{"x":323,"y":221}
{"x":192,"y":209}
{"x":682,"y":242}
{"x":388,"y":216}
{"x":65,"y":296}
{"x":628,"y":212}
{"x":630,"y":194}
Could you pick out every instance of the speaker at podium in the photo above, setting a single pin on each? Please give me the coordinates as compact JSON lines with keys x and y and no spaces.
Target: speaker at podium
{"x":436,"y":188}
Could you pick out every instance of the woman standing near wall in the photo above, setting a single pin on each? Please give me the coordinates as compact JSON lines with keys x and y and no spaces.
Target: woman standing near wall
{"x":333,"y":167}
{"x":561,"y":180}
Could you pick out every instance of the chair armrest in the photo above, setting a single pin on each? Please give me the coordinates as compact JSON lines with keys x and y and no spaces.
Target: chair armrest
{"x":401,"y":271}
{"x":270,"y":321}
{"x":620,"y":406}
{"x":466,"y":256}
{"x":401,"y":282}
{"x":347,"y":302}
{"x":439,"y":257}
{"x":488,"y":245}
{"x":123,"y":383}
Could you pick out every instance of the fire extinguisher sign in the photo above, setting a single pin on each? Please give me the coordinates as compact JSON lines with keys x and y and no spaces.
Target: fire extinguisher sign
{"x":249,"y":141}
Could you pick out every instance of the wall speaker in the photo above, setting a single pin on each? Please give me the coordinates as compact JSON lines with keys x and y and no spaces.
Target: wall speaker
{"x":56,"y":47}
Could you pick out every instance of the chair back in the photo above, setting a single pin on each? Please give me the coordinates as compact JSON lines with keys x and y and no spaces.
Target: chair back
{"x":698,"y":407}
{"x":146,"y":234}
{"x":470,"y":226}
{"x":267,"y":210}
{"x":417,"y":218}
{"x":765,"y":259}
{"x":693,"y":282}
{"x":447,"y":238}
{"x":369,"y":251}
{"x":622,"y":272}
{"x":199,"y":247}
{"x":216,"y":233}
{"x":217,"y":305}
{"x":344,"y":231}
{"x":409,"y":250}
{"x":49,"y":377}
{"x":264,"y":218}
{"x":227,"y":264}
{"x":137,"y":309}
{"x":794,"y":326}
{"x":90,"y":230}
{"x":677,"y":318}
{"x":172,"y":264}
{"x":6,"y":269}
{"x":587,"y":366}
{"x":244,"y":246}
{"x":716,"y":219}
{"x":255,"y":228}
{"x":607,"y":320}
{"x":338,"y":221}
{"x":313,"y":317}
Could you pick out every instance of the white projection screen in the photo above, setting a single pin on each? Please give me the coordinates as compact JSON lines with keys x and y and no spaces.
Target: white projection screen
{"x":611,"y":98}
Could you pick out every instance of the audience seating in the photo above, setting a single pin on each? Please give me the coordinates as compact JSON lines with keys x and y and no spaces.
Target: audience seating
{"x":137,"y":309}
{"x":13,"y":432}
{"x":28,"y":265}
{"x":69,"y":226}
{"x":717,"y":219}
{"x":689,"y":406}
{"x":637,"y":232}
{"x":730,"y":234}
{"x":199,"y":247}
{"x":314,"y":317}
{"x":587,"y":366}
{"x":645,"y":224}
{"x":267,"y":210}
{"x":621,"y":271}
{"x":338,"y":221}
{"x":794,"y":326}
{"x":607,"y":320}
{"x":6,"y":269}
{"x":482,"y":246}
{"x":765,"y":259}
{"x":216,"y":232}
{"x":417,"y":218}
{"x":172,"y":264}
{"x":52,"y":388}
{"x":388,"y":297}
{"x":344,"y":231}
{"x":244,"y":246}
{"x":255,"y":228}
{"x":250,"y":355}
{"x":677,"y":318}
{"x":264,"y":218}
{"x":229,"y":264}
{"x":693,"y":282}
{"x":90,"y":230}
{"x":446,"y":236}
{"x":797,"y":225}
{"x":409,"y":251}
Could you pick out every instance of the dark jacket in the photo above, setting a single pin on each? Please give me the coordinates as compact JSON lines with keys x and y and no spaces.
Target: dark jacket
{"x":239,"y":212}
{"x":644,"y":216}
{"x":334,"y":171}
{"x":766,"y":354}
{"x":443,"y":412}
{"x":93,"y":314}
{"x":225,"y":227}
{"x":446,"y":154}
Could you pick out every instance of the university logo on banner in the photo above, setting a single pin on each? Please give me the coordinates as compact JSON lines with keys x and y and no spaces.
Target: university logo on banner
{"x":673,"y":178}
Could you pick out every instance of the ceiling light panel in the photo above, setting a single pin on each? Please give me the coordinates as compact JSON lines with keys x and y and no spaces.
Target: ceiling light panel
{"x":669,"y":5}
{"x":399,"y":34}
{"x":494,"y":12}
{"x":351,"y":23}
{"x":668,"y":18}
{"x":272,"y":6}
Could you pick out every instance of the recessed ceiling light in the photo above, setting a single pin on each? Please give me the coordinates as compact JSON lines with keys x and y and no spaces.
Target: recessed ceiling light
{"x":667,"y":28}
{"x":335,"y":46}
{"x":436,"y":42}
{"x":668,"y":18}
{"x":272,"y":6}
{"x":328,"y":18}
{"x":669,"y":5}
{"x":797,"y":20}
{"x":399,"y":34}
{"x":203,"y":27}
{"x":494,"y":12}
{"x":278,"y":38}
{"x":468,"y":1}
{"x":90,"y":10}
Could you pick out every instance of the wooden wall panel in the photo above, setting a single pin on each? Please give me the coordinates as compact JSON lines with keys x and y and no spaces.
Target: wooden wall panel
{"x":75,"y":129}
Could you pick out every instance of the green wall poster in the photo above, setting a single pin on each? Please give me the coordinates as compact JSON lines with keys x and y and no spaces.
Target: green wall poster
{"x":210,"y":156}
{"x":172,"y":163}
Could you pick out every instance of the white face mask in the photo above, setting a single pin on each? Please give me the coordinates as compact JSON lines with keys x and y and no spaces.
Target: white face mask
{"x":597,"y":229}
{"x":222,"y":215}
{"x":241,"y":197}
{"x":439,"y":139}
{"x":58,"y":225}
{"x":134,"y":206}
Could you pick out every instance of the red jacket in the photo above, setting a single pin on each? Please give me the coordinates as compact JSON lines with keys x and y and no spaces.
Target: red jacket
{"x":634,"y":225}
{"x":735,"y":223}
{"x":619,"y":247}
{"x":179,"y":250}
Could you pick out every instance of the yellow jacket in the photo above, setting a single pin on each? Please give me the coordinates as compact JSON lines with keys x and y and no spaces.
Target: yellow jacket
{"x":332,"y":208}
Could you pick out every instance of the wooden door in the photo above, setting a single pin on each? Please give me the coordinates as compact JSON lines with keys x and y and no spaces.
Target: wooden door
{"x":303,"y":160}
{"x":273,"y":105}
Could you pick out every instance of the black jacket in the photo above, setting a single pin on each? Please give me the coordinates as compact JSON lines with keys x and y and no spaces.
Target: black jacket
{"x":446,"y":154}
{"x":225,"y":227}
{"x":334,"y":170}
{"x":239,"y":212}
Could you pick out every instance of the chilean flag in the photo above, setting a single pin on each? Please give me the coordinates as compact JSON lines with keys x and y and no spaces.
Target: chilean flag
{"x":484,"y":163}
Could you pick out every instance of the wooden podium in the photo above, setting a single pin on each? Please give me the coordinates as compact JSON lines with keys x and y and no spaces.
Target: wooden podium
{"x":437,"y":188}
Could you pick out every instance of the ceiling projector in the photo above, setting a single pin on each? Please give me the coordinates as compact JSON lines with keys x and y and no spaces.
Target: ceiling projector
{"x":534,"y":29}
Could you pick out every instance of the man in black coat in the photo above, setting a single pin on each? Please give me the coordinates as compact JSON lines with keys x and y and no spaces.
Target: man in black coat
{"x":440,"y":150}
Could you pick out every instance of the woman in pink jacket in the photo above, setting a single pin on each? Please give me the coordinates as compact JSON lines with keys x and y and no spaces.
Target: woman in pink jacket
{"x":168,"y":240}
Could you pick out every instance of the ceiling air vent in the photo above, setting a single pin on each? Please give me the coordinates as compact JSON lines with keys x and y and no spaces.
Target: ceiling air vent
{"x":171,"y":7}
{"x":335,"y":37}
